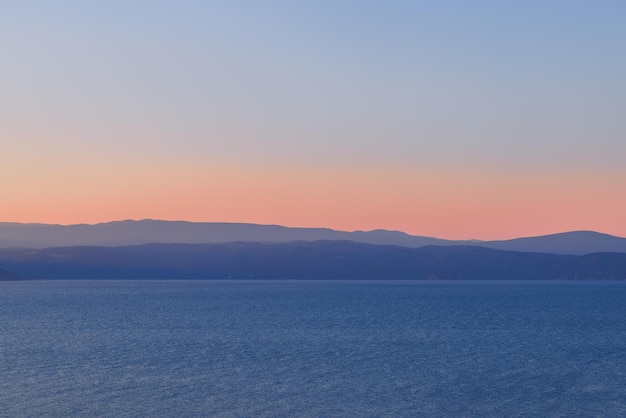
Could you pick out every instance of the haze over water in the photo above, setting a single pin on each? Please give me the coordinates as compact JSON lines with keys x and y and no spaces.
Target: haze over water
{"x":268,"y":348}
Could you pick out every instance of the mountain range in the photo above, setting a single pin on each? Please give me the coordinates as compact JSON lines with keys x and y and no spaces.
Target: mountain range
{"x":123,"y":233}
{"x":184,"y":250}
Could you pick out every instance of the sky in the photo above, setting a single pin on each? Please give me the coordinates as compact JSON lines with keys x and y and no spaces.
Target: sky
{"x":453,"y":119}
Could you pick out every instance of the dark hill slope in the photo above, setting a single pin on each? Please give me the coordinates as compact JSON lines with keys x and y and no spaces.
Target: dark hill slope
{"x":306,"y":260}
{"x":8,"y":276}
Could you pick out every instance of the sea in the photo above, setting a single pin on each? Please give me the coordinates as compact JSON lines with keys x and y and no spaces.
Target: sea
{"x":312,"y":349}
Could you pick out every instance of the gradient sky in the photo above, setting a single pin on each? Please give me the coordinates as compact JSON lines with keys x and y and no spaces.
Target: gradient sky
{"x":456,"y":119}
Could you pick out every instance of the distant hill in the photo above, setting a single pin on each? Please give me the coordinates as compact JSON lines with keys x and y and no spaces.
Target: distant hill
{"x":123,"y":233}
{"x":307,"y":260}
{"x":152,"y":231}
{"x":578,"y":242}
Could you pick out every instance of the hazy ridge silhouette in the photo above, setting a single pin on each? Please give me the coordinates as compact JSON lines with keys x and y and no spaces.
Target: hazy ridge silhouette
{"x":187,"y":250}
{"x":122,"y":233}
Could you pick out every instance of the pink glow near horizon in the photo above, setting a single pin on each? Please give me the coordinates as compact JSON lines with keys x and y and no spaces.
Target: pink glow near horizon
{"x":441,"y":203}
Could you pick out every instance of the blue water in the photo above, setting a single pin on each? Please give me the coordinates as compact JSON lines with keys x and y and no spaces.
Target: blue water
{"x":166,"y":348}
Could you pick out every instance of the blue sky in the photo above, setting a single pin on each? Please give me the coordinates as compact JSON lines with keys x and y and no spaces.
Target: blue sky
{"x":512,"y":87}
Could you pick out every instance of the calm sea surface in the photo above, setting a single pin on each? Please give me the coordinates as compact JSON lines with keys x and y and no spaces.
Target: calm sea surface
{"x":276,"y":348}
